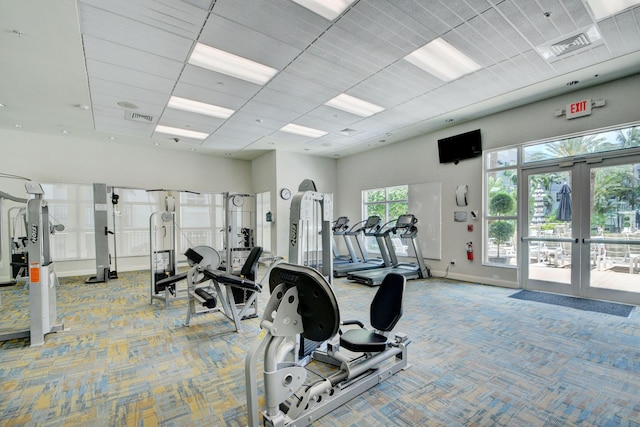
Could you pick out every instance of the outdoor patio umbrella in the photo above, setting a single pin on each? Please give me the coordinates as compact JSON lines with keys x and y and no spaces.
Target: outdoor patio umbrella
{"x":538,"y":206}
{"x":564,"y":209}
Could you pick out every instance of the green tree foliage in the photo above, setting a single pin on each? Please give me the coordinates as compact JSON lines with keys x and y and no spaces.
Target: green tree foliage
{"x":501,"y":204}
{"x":501,"y":232}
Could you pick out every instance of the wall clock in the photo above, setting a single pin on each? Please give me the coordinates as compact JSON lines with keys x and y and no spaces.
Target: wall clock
{"x":285,"y":193}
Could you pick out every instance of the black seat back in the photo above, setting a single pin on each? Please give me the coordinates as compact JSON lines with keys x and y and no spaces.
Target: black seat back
{"x":386,"y":307}
{"x":251,"y":264}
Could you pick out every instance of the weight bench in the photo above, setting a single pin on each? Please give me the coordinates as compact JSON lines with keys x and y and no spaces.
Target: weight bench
{"x":303,"y":303}
{"x":205,"y":289}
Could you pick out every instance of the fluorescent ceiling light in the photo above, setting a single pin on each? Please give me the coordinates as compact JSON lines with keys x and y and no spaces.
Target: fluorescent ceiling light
{"x":603,"y":8}
{"x":354,"y":105}
{"x":329,"y":9}
{"x":181,"y":132}
{"x":232,"y":65}
{"x":199,"y":107}
{"x":302,"y":130}
{"x":442,"y":60}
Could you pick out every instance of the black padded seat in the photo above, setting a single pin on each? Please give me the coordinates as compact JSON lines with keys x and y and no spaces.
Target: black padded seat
{"x":385,"y":312}
{"x":362,"y":340}
{"x":232,"y":280}
{"x":246,"y":280}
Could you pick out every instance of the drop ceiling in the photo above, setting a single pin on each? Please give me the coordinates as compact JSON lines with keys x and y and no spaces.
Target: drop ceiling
{"x":106,"y":70}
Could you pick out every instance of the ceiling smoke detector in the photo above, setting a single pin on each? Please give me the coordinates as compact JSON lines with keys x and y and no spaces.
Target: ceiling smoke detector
{"x":348,"y":132}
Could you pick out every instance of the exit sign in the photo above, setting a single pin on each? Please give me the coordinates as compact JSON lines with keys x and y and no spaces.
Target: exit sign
{"x":578,"y":109}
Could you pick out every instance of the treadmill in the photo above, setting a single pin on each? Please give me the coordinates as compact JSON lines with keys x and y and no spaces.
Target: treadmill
{"x":371,"y":227}
{"x":404,"y":228}
{"x":340,"y":227}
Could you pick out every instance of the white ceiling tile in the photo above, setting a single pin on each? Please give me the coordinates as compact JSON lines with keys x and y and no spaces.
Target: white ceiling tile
{"x":128,"y":57}
{"x":176,"y":16}
{"x":192,"y":121}
{"x":209,"y":96}
{"x":284,"y":21}
{"x":128,"y":77}
{"x":111,"y":100}
{"x":239,"y":40}
{"x":119,"y":126}
{"x":129,"y":32}
{"x":519,"y":20}
{"x":216,"y":82}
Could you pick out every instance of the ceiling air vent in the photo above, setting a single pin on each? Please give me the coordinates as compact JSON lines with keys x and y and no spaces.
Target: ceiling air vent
{"x":570,"y":44}
{"x":557,"y":49}
{"x":137,"y":117}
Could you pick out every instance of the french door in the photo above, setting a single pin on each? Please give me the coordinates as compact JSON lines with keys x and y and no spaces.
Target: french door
{"x":580,"y":229}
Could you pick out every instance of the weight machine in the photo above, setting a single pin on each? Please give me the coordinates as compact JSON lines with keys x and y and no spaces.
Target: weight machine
{"x":240,"y":225}
{"x":310,"y":238}
{"x":164,"y":264}
{"x":303,"y":304}
{"x":42,"y":276}
{"x":206,"y":282}
{"x":102,"y":232}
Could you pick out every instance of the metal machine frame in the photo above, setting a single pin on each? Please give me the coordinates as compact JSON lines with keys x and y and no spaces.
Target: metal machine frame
{"x":102,"y":232}
{"x":162,"y":255}
{"x":302,"y":303}
{"x":310,"y":238}
{"x":42,"y":276}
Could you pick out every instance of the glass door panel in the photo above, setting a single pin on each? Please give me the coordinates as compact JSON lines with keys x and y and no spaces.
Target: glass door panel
{"x":614,"y":228}
{"x":591,"y":250}
{"x":548,"y":242}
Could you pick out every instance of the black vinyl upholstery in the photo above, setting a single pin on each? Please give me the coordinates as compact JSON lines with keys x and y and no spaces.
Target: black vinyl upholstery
{"x":251,"y":264}
{"x":246,"y":280}
{"x":317,"y":304}
{"x":385,"y":312}
{"x":386,"y":307}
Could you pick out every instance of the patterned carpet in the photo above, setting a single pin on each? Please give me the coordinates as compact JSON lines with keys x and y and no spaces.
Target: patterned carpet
{"x":479,"y":358}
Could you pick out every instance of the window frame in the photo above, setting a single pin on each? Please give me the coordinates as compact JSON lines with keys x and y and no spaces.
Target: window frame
{"x":370,"y":243}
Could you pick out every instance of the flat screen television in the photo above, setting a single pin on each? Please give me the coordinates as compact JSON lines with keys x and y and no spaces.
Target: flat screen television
{"x":460,"y":147}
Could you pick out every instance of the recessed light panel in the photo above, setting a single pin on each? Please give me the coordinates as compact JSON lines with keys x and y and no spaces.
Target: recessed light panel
{"x":603,"y":8}
{"x":302,"y":130}
{"x":199,"y":107}
{"x":181,"y":132}
{"x":329,"y":9}
{"x":232,"y":65}
{"x":442,"y":60}
{"x":354,"y":105}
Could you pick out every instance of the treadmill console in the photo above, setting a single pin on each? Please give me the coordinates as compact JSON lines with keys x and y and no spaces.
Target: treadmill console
{"x":341,"y":224}
{"x":372,"y":221}
{"x":406,"y":221}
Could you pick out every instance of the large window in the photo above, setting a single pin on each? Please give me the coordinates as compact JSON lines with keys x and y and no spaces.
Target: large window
{"x":387,"y":203}
{"x":72,"y":206}
{"x":201,"y":221}
{"x":502,"y":169}
{"x":601,"y":142}
{"x":501,"y":215}
{"x":132,"y":220}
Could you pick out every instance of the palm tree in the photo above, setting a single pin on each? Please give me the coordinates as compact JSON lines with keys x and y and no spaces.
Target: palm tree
{"x":631,"y":139}
{"x":576,"y":146}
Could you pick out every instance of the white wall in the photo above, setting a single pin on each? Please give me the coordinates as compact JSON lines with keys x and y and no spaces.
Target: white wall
{"x":263,"y":179}
{"x":65,"y":159}
{"x":416,"y":161}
